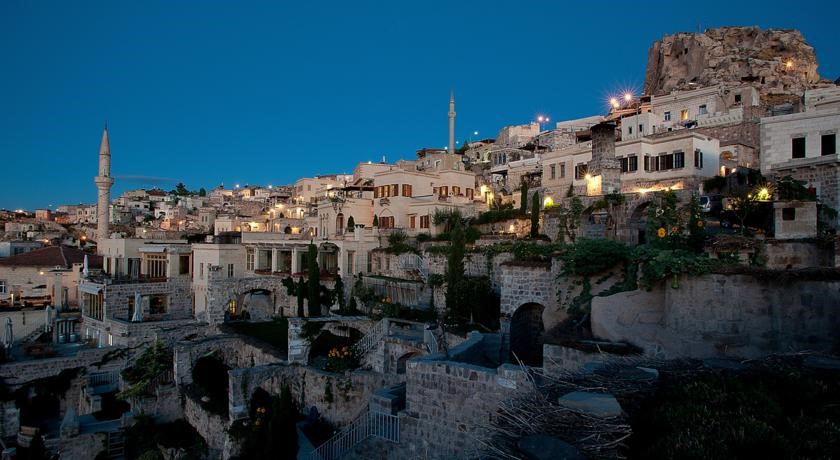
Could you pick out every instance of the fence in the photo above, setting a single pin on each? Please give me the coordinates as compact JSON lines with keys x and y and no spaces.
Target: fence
{"x":366,"y":425}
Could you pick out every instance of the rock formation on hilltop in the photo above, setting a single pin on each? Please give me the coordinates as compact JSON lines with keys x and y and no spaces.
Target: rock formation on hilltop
{"x":779,"y":61}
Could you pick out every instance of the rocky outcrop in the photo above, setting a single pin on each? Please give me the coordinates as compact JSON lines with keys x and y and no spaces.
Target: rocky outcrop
{"x":778,"y":61}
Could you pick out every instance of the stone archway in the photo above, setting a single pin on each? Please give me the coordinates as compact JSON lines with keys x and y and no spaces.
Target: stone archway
{"x":402,"y":360}
{"x":526,"y":334}
{"x":593,"y":223}
{"x":256,"y":304}
{"x":638,"y":223}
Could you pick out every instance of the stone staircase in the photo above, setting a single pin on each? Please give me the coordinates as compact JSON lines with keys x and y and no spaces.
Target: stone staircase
{"x":116,"y":444}
{"x":368,"y":424}
{"x":371,"y":339}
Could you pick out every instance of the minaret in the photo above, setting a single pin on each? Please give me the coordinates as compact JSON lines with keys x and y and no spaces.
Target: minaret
{"x":103,"y":181}
{"x":452,"y":122}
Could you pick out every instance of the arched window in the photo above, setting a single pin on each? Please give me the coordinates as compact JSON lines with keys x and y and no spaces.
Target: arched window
{"x":339,"y":224}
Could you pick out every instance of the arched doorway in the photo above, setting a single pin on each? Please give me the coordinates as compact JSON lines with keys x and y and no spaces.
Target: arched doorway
{"x":526,"y":331}
{"x":594,"y":223}
{"x":210,"y":380}
{"x":402,"y":360}
{"x":638,"y":222}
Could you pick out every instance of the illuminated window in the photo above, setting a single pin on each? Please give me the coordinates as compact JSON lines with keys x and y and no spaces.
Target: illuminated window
{"x":684,"y":114}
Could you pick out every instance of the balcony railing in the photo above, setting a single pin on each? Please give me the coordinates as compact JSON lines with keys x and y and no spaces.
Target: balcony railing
{"x":126,"y":279}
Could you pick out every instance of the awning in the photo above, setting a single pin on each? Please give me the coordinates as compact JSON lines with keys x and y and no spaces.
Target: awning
{"x":90,"y":288}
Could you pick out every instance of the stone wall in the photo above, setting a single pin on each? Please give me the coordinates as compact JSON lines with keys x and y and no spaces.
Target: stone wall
{"x":732,"y":315}
{"x":560,"y":359}
{"x":18,"y":373}
{"x":211,"y":427}
{"x":235,"y":351}
{"x":786,"y":254}
{"x":82,"y":446}
{"x":178,"y":290}
{"x":338,"y":397}
{"x":447,"y":404}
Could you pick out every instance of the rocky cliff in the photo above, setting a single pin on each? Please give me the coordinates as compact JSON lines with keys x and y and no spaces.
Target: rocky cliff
{"x":778,"y":61}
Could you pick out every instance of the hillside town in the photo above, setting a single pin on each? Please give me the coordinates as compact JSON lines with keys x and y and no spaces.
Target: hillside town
{"x":565,"y":289}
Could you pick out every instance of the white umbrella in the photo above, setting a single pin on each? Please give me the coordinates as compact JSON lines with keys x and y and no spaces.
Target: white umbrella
{"x":48,"y":312}
{"x":85,"y":271}
{"x":8,"y":338}
{"x":138,"y":308}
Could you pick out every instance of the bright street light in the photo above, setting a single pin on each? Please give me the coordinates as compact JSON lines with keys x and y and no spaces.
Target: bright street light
{"x":628,"y":97}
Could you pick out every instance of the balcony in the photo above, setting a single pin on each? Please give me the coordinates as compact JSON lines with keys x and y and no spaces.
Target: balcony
{"x":105,"y":278}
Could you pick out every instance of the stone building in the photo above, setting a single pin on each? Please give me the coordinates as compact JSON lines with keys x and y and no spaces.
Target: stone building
{"x":804,"y":145}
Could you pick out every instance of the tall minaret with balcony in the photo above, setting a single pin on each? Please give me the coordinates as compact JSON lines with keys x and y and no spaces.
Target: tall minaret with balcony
{"x":452,"y":122}
{"x":103,"y":181}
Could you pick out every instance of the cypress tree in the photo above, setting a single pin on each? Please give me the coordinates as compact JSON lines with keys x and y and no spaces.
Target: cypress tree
{"x":455,"y":272}
{"x":535,"y":215}
{"x":314,"y":282}
{"x":523,"y":198}
{"x":375,"y":221}
{"x":351,"y":224}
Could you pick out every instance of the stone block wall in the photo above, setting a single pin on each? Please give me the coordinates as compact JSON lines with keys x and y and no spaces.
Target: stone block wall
{"x":178,"y":290}
{"x":560,"y":359}
{"x":338,"y":397}
{"x":447,"y":404}
{"x":235,"y":351}
{"x":723,"y":315}
{"x":521,"y":284}
{"x":211,"y":427}
{"x":797,"y":254}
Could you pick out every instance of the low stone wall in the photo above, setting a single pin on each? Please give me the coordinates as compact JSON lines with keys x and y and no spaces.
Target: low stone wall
{"x":235,"y":351}
{"x":712,"y":315}
{"x":559,"y":359}
{"x":448,"y":403}
{"x":18,"y":373}
{"x":82,"y":446}
{"x":338,"y":397}
{"x":787,"y":254}
{"x":165,"y":407}
{"x":211,"y":427}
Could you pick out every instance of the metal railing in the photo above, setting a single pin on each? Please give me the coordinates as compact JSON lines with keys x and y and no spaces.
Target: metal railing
{"x":415,"y":262}
{"x":371,"y":339}
{"x":368,"y":424}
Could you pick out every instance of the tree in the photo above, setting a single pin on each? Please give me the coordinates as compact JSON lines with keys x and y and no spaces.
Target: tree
{"x":181,"y":190}
{"x":535,"y":215}
{"x":696,"y":226}
{"x":314,"y":298}
{"x":523,"y":197}
{"x":569,"y":217}
{"x":612,"y":203}
{"x":202,"y":192}
{"x":298,"y":289}
{"x":455,"y":273}
{"x":375,"y":221}
{"x":351,"y":224}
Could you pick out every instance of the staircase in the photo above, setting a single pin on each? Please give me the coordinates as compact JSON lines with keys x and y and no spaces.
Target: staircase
{"x":413,"y":263}
{"x":371,"y":339}
{"x":116,"y":444}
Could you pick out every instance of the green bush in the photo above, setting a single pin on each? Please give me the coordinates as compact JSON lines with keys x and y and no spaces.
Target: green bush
{"x":424,"y":237}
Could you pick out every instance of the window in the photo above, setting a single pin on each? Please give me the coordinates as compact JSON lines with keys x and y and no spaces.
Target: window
{"x":406,"y":190}
{"x":351,"y":259}
{"x":698,"y":159}
{"x":156,"y":265}
{"x":666,"y":161}
{"x":435,"y":190}
{"x":667,"y":116}
{"x":828,"y":144}
{"x":679,"y":160}
{"x":184,"y":264}
{"x":424,"y":221}
{"x":737,"y":98}
{"x":411,"y":221}
{"x":470,"y":193}
{"x":249,"y":260}
{"x":552,"y":171}
{"x":629,"y":164}
{"x":562,"y":170}
{"x":93,"y":306}
{"x":157,"y":304}
{"x":2,"y":286}
{"x":201,"y":270}
{"x":641,"y":129}
{"x":788,"y":213}
{"x":581,"y":171}
{"x":629,"y":130}
{"x":230,"y":270}
{"x":798,"y":147}
{"x":133,"y":267}
{"x":376,"y":192}
{"x":456,"y":190}
{"x":702,"y":109}
{"x":444,"y":191}
{"x":394,"y":191}
{"x":683,"y":114}
{"x":651,"y":163}
{"x":386,"y":222}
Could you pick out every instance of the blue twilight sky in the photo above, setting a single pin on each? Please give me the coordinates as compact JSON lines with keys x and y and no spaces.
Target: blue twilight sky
{"x":209,"y":92}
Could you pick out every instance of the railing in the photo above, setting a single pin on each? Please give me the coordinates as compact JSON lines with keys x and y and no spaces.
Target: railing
{"x":25,"y":324}
{"x":368,"y":424}
{"x":126,"y":279}
{"x":102,"y":378}
{"x":371,"y":339}
{"x":415,"y":262}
